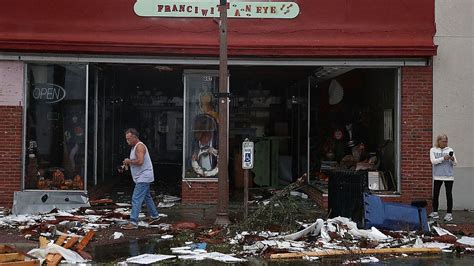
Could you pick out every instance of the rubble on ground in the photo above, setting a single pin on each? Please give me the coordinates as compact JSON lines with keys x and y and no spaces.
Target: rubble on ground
{"x":272,"y":231}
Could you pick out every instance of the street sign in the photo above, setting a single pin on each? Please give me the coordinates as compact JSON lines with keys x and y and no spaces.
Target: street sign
{"x":247,"y":154}
{"x":209,"y":9}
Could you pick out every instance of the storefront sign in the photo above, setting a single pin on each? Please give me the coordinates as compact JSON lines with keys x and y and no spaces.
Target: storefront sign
{"x":49,"y":93}
{"x":209,"y":9}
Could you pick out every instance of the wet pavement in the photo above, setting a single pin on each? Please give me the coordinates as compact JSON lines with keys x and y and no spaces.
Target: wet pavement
{"x":205,"y":215}
{"x":106,"y":250}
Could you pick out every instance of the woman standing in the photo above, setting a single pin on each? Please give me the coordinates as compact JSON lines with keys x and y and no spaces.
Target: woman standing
{"x":443,"y":160}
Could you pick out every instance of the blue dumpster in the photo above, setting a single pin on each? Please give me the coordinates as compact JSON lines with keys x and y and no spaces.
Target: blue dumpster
{"x":393,"y":216}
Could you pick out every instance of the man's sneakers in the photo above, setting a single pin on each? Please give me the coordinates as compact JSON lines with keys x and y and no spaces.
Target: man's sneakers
{"x":153,"y":220}
{"x":130,"y":226}
{"x":448,"y":217}
{"x":434,"y":215}
{"x":149,"y":220}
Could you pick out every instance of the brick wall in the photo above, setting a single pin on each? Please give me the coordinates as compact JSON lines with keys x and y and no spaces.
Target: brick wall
{"x":199,"y":192}
{"x":11,"y":97}
{"x":416,"y":133}
{"x":10,"y":153}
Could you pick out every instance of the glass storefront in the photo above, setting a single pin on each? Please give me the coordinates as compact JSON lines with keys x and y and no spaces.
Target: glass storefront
{"x":302,"y":120}
{"x":201,"y":124}
{"x":55,"y":127}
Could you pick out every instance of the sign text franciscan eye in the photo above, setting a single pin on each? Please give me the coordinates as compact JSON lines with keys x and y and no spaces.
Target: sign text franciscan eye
{"x":209,"y":9}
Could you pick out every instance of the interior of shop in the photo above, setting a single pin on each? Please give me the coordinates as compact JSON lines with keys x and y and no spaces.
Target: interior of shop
{"x":351,"y":113}
{"x":351,"y":121}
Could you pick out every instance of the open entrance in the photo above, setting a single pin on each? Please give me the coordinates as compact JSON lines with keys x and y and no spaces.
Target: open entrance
{"x":315,"y":120}
{"x":302,"y":120}
{"x":269,"y":105}
{"x":148,"y":98}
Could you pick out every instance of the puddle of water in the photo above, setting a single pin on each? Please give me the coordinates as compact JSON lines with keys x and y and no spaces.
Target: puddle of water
{"x":119,"y":252}
{"x":131,"y":248}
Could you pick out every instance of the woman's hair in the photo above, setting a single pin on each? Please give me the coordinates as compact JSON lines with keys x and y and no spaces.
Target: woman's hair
{"x":438,"y":138}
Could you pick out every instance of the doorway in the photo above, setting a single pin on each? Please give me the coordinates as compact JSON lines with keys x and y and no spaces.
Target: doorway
{"x":269,"y":106}
{"x":148,"y":98}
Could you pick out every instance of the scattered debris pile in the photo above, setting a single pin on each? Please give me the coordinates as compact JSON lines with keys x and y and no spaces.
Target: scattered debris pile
{"x":274,"y":230}
{"x":102,"y":214}
{"x":276,"y":213}
{"x":332,"y":237}
{"x":340,"y":236}
{"x":11,"y":256}
{"x":67,"y":247}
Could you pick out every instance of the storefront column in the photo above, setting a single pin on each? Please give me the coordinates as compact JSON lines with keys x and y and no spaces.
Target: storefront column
{"x":11,"y":99}
{"x":416,"y":133}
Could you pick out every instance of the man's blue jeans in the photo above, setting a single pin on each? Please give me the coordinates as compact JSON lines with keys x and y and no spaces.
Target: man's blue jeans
{"x":141,"y":193}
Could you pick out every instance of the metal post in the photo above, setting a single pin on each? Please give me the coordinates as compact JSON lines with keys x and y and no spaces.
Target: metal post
{"x":247,"y":164}
{"x":222,"y":216}
{"x":246,"y":192}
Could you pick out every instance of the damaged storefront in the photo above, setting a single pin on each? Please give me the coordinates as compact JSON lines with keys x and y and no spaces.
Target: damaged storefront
{"x":316,"y":93}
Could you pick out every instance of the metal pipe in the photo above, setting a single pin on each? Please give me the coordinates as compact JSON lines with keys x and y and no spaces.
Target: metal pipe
{"x":96,"y":121}
{"x":398,"y":126}
{"x":86,"y":144}
{"x":293,"y":61}
{"x":23,"y":134}
{"x":246,"y":192}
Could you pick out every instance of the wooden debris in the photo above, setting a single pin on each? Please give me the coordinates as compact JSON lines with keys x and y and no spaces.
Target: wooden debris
{"x":43,"y":242}
{"x":58,"y":242}
{"x":11,"y":256}
{"x":85,"y":240}
{"x":53,"y":259}
{"x":101,"y":202}
{"x":184,"y":226}
{"x":80,"y":247}
{"x":328,"y":253}
{"x":57,"y":257}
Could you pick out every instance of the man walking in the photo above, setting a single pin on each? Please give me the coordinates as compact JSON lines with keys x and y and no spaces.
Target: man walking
{"x":141,"y":168}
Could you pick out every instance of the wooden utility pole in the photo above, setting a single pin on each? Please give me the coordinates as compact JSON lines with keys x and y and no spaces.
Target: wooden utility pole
{"x":222,"y":215}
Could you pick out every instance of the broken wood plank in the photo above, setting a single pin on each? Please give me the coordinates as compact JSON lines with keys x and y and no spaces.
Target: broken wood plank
{"x":85,"y":240}
{"x":58,"y":257}
{"x":6,"y":249}
{"x":327,"y":253}
{"x":84,"y":254}
{"x":22,"y":263}
{"x":43,"y":242}
{"x":101,"y":201}
{"x":58,"y":242}
{"x":9,"y":257}
{"x":70,"y":243}
{"x":10,"y":249}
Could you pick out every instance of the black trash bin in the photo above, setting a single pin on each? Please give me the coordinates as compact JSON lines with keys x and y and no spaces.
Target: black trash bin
{"x":345,"y":194}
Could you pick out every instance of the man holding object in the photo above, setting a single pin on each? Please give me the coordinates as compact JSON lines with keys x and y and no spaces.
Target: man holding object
{"x":141,"y":168}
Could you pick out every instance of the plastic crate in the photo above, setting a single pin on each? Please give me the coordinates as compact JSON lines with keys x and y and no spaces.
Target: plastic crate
{"x":393,"y":216}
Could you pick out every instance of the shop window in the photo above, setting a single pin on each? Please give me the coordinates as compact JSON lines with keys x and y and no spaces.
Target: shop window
{"x":55,"y":127}
{"x":354,"y":126}
{"x":201,"y":125}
